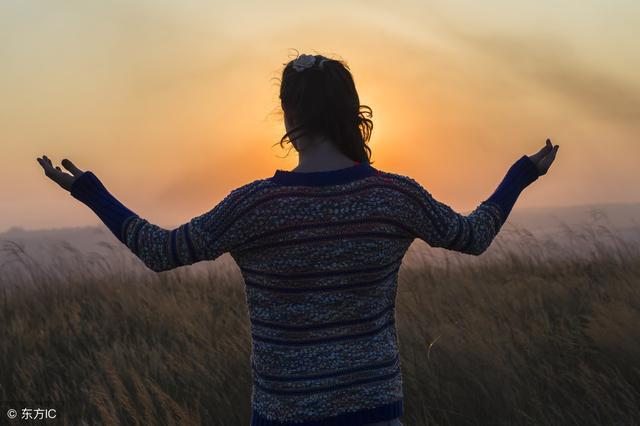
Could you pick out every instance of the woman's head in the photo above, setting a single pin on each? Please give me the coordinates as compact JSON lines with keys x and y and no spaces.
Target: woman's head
{"x":319,"y":98}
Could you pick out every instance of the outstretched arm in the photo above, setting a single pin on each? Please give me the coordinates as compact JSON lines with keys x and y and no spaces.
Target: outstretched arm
{"x":441,"y":226}
{"x":204,"y":237}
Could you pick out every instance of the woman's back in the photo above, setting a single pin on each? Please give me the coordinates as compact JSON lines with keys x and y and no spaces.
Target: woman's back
{"x":320,"y":262}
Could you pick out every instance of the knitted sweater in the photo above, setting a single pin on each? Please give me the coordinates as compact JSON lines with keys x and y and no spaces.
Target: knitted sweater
{"x":319,"y":253}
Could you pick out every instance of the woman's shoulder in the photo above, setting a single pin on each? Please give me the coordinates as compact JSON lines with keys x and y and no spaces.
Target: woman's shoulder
{"x":400,"y":179}
{"x":249,"y":189}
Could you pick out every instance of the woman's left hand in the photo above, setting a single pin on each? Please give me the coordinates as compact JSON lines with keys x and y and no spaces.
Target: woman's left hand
{"x":65,"y":180}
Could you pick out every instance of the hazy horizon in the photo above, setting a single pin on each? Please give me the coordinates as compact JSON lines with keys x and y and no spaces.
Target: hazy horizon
{"x":174,"y":104}
{"x":619,"y":215}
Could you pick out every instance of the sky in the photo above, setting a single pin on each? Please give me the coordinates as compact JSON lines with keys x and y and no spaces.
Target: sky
{"x":173,"y":104}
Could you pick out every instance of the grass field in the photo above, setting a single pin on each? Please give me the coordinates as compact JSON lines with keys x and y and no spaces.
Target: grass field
{"x":518,"y":337}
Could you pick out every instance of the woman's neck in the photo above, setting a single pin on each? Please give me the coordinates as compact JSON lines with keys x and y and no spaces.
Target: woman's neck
{"x":320,"y":155}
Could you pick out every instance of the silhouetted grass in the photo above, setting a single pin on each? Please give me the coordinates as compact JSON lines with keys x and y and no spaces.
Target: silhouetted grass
{"x":514,"y":337}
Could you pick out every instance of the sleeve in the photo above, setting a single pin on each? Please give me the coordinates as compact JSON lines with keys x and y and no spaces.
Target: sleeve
{"x":440,"y":226}
{"x":204,"y":237}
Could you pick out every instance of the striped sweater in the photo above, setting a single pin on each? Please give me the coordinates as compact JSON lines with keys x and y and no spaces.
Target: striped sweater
{"x":319,"y":253}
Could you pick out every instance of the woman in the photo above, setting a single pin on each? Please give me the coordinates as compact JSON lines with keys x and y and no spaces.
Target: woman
{"x":319,"y":248}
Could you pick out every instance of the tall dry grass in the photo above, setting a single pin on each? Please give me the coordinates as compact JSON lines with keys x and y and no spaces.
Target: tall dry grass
{"x":519,"y":337}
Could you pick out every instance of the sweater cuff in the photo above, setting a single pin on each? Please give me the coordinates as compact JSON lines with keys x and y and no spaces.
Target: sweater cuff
{"x":521,"y":174}
{"x":88,"y":189}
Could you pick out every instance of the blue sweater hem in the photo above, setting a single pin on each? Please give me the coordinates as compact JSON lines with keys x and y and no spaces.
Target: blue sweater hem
{"x":382,"y":413}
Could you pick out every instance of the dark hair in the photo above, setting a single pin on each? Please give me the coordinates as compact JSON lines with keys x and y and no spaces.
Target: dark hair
{"x":323,"y":100}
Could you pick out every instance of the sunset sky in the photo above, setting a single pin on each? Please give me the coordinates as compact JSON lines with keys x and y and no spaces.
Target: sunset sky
{"x":173,"y":104}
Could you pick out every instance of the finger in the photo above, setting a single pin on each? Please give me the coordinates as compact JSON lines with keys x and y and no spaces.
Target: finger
{"x":49,"y":164}
{"x":548,"y":160}
{"x":45,"y":165}
{"x":71,"y":167}
{"x":544,"y":150}
{"x":40,"y":162}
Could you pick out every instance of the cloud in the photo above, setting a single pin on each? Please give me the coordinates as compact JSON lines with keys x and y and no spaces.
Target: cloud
{"x":561,"y":70}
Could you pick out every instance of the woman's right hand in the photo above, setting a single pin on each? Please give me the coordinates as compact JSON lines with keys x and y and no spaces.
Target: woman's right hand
{"x":544,"y":158}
